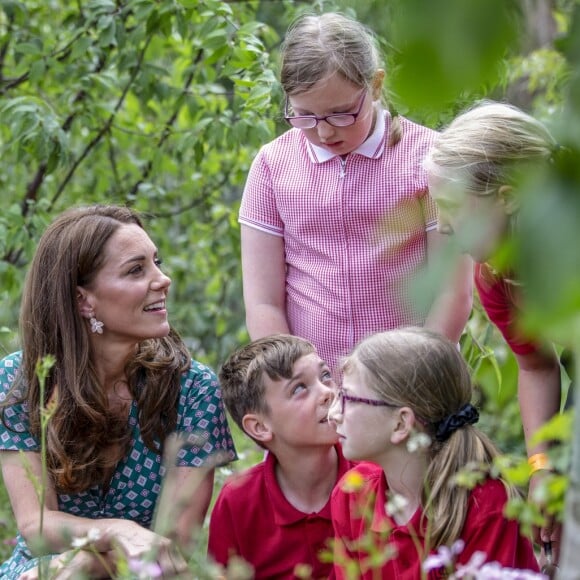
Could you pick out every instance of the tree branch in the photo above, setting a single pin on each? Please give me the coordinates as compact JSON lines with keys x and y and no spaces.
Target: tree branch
{"x":4,"y":49}
{"x":104,"y":129}
{"x":38,"y":179}
{"x":60,"y":54}
{"x":184,"y":208}
{"x":167,"y":126}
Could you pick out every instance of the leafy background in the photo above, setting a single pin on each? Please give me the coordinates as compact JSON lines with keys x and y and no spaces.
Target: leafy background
{"x":163,"y":104}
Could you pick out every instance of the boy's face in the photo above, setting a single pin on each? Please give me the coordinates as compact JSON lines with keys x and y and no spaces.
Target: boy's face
{"x":298,"y":407}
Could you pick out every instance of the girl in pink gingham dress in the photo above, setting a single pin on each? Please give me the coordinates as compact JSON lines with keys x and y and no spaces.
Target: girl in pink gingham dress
{"x":336,"y":217}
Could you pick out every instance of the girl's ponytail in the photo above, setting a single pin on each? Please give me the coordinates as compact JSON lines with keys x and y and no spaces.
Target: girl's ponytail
{"x":445,"y":502}
{"x":395,"y":130}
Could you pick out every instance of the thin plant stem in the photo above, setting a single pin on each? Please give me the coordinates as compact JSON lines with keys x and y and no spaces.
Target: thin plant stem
{"x":43,"y":367}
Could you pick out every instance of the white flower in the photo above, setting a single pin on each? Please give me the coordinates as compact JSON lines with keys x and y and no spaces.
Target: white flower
{"x":471,"y":569}
{"x":92,"y":536}
{"x":418,"y":441}
{"x":396,"y":504}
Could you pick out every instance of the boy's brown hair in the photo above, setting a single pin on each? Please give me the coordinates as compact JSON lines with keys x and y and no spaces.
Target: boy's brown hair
{"x":242,"y":375}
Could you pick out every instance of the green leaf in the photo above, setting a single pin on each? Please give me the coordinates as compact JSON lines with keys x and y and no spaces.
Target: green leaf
{"x":29,"y":48}
{"x":37,"y":70}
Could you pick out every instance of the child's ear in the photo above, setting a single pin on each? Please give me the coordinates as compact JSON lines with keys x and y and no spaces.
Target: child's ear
{"x":404,"y":424}
{"x":255,"y":426}
{"x":508,"y":199}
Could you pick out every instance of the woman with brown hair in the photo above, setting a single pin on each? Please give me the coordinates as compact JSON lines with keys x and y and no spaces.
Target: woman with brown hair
{"x":122,"y":383}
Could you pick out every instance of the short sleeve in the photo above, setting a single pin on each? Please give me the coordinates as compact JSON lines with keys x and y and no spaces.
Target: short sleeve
{"x":498,"y":303}
{"x":258,"y":208}
{"x":14,"y":424}
{"x":202,"y":418}
{"x":428,"y":204}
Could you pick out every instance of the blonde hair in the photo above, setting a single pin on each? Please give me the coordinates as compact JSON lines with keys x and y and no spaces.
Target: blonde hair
{"x":317,"y":46}
{"x":417,"y":368}
{"x":484,"y":147}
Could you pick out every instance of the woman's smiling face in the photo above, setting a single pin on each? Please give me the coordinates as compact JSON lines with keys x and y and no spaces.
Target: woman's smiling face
{"x":129,"y":292}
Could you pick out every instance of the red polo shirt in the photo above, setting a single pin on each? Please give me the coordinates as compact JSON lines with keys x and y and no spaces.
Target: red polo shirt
{"x":485,"y":529}
{"x":498,"y":297}
{"x":253,"y":519}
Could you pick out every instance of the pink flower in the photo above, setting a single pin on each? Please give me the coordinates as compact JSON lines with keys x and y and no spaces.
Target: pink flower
{"x":444,"y":557}
{"x":478,"y":569}
{"x":10,"y":542}
{"x":145,"y":570}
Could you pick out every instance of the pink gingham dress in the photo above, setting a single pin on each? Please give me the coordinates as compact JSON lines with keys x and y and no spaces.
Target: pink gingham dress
{"x":354,"y":231}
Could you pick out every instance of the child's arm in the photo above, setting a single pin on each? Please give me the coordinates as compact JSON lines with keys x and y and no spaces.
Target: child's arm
{"x":539,"y":393}
{"x":264,"y":281}
{"x":451,"y":309}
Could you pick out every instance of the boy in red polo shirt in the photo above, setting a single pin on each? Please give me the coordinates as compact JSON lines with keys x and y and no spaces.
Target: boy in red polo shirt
{"x":276,"y":515}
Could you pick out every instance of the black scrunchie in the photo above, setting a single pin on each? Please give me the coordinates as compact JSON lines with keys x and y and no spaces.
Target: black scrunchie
{"x":467,"y":415}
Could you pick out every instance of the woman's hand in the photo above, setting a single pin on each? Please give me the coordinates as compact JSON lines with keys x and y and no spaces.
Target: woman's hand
{"x":68,"y":565}
{"x":138,"y":544}
{"x":141,"y":547}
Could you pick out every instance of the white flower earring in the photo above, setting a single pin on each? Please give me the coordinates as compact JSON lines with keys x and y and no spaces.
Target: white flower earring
{"x":96,"y":325}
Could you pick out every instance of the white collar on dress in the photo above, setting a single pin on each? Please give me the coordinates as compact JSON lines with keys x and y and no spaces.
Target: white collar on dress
{"x":371,"y":148}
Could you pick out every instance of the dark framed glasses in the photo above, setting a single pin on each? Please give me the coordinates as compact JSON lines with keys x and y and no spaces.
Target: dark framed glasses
{"x":336,"y":119}
{"x":342,"y":397}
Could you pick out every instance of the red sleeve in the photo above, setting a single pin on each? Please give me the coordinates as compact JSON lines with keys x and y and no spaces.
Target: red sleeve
{"x":497,"y":299}
{"x":222,"y":542}
{"x":488,"y":530}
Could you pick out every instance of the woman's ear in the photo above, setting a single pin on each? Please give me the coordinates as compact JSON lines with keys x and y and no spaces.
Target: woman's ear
{"x":255,"y":426}
{"x":377,"y":84}
{"x":508,"y":199}
{"x":85,"y":307}
{"x":404,"y":425}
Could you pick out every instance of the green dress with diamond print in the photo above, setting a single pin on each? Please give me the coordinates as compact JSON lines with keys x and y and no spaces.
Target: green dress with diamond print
{"x":135,"y":485}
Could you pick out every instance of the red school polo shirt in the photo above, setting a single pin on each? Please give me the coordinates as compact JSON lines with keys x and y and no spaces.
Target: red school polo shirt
{"x":485,"y":529}
{"x":497,"y":298}
{"x":252,"y":519}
